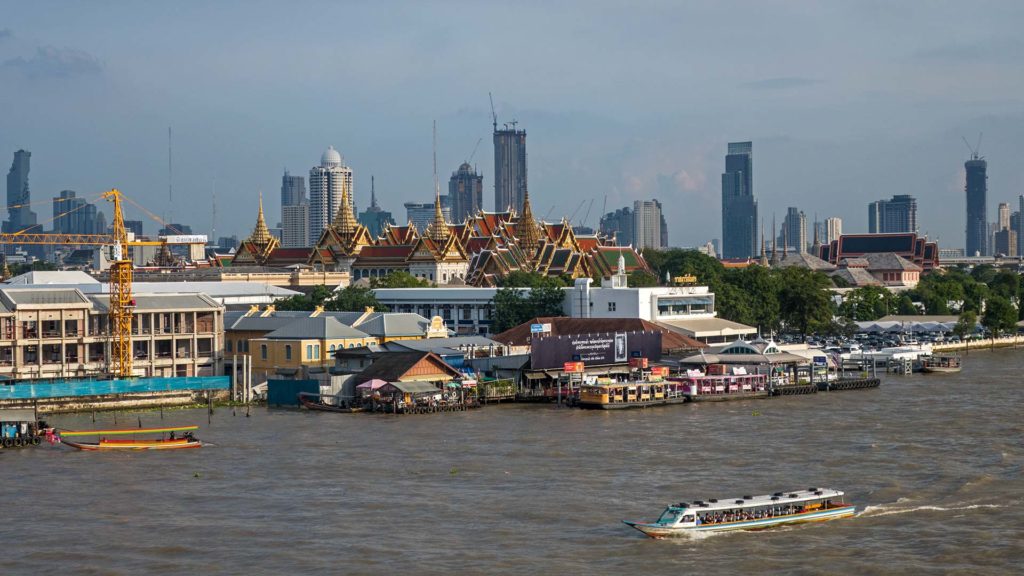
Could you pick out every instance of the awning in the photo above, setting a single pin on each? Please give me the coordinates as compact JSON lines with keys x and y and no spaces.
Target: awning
{"x":536,"y":375}
{"x":415,"y":387}
{"x":371,"y":384}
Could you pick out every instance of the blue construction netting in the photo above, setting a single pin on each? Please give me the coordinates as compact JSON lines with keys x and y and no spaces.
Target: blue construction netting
{"x":69,"y":388}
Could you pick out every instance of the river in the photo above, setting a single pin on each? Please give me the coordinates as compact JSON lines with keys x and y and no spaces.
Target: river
{"x":934,"y":462}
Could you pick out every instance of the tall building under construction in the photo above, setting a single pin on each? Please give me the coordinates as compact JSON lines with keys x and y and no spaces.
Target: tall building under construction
{"x":509,"y":167}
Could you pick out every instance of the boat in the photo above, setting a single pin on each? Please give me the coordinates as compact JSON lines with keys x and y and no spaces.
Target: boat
{"x":306,"y":399}
{"x":611,"y":395}
{"x":747,"y":513}
{"x":942,"y":363}
{"x":169,"y":442}
{"x":700,"y":387}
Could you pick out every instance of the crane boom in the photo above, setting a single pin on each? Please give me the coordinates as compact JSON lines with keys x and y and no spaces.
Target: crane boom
{"x":494,"y":115}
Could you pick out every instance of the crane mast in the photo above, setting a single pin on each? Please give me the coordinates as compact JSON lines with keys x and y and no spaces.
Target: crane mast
{"x":121,"y":301}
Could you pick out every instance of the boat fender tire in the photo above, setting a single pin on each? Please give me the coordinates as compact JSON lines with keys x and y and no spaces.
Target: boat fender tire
{"x":18,"y":443}
{"x":37,"y":441}
{"x":8,"y":442}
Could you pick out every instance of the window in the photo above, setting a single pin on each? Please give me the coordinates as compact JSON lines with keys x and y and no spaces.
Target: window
{"x":316,"y":351}
{"x":287,"y":351}
{"x":227,"y":346}
{"x":611,"y":306}
{"x":263,"y":351}
{"x":467,"y":313}
{"x":333,"y":348}
{"x":309,"y":351}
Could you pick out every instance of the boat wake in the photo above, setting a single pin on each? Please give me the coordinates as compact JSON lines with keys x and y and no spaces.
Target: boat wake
{"x":896,"y":508}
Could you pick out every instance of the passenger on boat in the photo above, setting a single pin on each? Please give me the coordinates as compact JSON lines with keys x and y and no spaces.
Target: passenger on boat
{"x":172,"y":436}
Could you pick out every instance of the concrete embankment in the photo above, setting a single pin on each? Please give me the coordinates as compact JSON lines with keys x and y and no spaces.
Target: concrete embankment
{"x":1005,"y":342}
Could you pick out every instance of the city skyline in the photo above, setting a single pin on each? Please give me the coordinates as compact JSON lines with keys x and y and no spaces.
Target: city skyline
{"x":850,"y":118}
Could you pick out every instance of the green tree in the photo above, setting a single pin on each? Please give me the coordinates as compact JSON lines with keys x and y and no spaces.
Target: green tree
{"x":905,"y":306}
{"x":804,"y":300}
{"x":514,"y":306}
{"x":966,"y":324}
{"x":353,"y":299}
{"x":760,"y":287}
{"x":316,"y":297}
{"x":867,"y":303}
{"x":399,"y":279}
{"x":522,"y":279}
{"x":642,"y":279}
{"x":1000,"y":316}
{"x":734,"y":304}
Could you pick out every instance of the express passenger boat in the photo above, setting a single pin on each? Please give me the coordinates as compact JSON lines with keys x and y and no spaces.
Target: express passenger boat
{"x":942,"y":363}
{"x":168,"y":439}
{"x":607,"y":394}
{"x":747,"y":513}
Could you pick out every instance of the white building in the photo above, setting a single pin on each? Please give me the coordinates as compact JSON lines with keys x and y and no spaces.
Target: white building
{"x":688,"y":310}
{"x":833,"y":229}
{"x":647,"y":224}
{"x":295,"y":226}
{"x":327,"y":182}
{"x":465,"y":310}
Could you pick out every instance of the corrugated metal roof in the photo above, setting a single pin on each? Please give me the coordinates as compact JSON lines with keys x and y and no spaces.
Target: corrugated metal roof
{"x":101,"y":302}
{"x":321,"y":327}
{"x":36,"y":296}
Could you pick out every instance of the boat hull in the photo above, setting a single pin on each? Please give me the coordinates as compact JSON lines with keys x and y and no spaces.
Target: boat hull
{"x":939,"y":370}
{"x":109,"y":445}
{"x":729,"y":396}
{"x":321,"y":407}
{"x":659,"y":531}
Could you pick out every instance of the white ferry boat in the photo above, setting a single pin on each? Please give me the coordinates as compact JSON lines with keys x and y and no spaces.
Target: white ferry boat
{"x":747,"y":513}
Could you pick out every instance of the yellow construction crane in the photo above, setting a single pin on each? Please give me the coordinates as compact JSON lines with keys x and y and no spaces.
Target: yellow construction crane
{"x":121,"y":301}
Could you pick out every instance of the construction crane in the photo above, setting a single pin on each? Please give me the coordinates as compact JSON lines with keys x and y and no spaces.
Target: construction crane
{"x":494,"y":115}
{"x":121,"y":300}
{"x":470,"y":160}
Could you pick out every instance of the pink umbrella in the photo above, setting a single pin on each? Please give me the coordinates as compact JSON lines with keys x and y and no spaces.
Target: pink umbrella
{"x":371,"y":384}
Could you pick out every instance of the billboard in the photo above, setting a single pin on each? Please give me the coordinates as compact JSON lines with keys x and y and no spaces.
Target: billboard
{"x":552,"y":352}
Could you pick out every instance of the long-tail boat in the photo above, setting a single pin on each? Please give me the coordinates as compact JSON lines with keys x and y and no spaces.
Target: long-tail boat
{"x":168,"y":440}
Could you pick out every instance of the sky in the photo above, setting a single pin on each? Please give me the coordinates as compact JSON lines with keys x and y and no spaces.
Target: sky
{"x":845,"y":102}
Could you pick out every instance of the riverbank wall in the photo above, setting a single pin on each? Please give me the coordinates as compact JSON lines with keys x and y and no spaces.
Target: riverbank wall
{"x":1005,"y":342}
{"x":81,"y":395}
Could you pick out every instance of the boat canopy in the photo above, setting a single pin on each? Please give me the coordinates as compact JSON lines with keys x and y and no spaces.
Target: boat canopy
{"x":127,"y":431}
{"x":776,"y":499}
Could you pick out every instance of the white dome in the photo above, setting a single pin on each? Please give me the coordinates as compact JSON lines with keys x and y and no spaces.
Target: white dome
{"x":331,"y":158}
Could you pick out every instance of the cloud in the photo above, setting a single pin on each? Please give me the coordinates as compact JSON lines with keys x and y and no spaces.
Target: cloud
{"x":988,"y":49}
{"x":52,"y":62}
{"x":5,"y":33}
{"x":782,"y":83}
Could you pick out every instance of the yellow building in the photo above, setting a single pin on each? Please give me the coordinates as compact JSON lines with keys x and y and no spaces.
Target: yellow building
{"x":305,"y":342}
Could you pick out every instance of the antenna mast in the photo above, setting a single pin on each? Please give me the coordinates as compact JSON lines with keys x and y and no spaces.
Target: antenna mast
{"x":170,"y":173}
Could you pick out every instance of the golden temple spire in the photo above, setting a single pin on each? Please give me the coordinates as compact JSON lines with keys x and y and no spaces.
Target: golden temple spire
{"x":345,"y":221}
{"x":438,"y":228}
{"x":261,"y":234}
{"x":527,"y":230}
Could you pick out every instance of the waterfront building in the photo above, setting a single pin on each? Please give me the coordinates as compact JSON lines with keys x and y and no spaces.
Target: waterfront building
{"x":739,"y":207}
{"x":465,"y":190}
{"x":53,"y":332}
{"x":509,"y":168}
{"x":647,"y":221}
{"x":375,"y":218}
{"x":976,"y":189}
{"x":328,"y":184}
{"x":618,"y":226}
{"x":833,"y":228}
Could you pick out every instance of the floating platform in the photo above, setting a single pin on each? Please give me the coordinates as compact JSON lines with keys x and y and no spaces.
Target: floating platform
{"x":849,"y":384}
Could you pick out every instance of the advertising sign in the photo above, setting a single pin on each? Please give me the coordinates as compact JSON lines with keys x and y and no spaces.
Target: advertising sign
{"x":638,"y":362}
{"x":599,"y":349}
{"x":534,"y":328}
{"x":820,"y":361}
{"x":573,"y":368}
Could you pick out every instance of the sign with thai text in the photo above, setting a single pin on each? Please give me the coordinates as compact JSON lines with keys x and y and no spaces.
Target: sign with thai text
{"x":599,"y":349}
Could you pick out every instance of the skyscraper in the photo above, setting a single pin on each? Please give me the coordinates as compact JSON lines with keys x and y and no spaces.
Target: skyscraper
{"x":509,"y":167}
{"x":327,"y":183}
{"x":375,"y":217}
{"x":977,"y":220}
{"x":466,"y":192}
{"x":833,"y":229}
{"x":1004,"y":216}
{"x":894,"y":216}
{"x":19,"y":216}
{"x":422,"y":213}
{"x":794,"y":231}
{"x":647,"y":224}
{"x":294,"y":212}
{"x":73,"y":215}
{"x":618,"y":225}
{"x":1020,"y":225}
{"x":739,"y":208}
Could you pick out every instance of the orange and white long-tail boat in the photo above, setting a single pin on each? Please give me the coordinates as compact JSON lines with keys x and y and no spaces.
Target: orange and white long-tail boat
{"x":168,"y":439}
